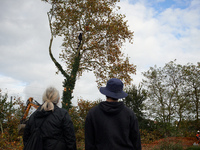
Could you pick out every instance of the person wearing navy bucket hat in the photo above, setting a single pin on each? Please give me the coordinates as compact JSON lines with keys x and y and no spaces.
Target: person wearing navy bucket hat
{"x":111,"y":125}
{"x":114,"y":89}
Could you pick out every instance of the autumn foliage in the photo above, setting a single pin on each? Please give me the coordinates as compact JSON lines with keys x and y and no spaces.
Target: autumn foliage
{"x":11,"y":112}
{"x":78,"y":115}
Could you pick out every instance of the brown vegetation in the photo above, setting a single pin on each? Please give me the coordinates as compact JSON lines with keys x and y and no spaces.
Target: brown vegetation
{"x":184,"y":141}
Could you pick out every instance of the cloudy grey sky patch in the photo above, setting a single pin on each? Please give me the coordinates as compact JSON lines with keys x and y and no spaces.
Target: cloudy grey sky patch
{"x":164,"y":30}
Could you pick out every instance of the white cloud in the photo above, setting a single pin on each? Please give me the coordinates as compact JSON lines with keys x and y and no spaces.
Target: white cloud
{"x":11,"y":86}
{"x":160,"y":37}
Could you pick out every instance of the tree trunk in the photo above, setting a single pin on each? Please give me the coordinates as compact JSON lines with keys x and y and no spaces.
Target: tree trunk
{"x":69,"y":84}
{"x":69,"y":81}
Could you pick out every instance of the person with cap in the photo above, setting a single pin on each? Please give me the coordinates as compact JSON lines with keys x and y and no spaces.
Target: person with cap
{"x":111,"y":125}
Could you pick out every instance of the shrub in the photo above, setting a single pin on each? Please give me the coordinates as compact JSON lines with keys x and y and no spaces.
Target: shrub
{"x":168,"y":146}
{"x":78,"y":115}
{"x":150,"y":136}
{"x":9,"y":119}
{"x":193,"y":148}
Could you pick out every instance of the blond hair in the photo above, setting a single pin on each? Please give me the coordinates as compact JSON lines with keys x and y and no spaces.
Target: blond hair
{"x":50,"y":97}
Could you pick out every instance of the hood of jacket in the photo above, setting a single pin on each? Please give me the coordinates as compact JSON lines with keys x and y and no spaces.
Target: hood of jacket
{"x":111,"y":107}
{"x":41,"y":113}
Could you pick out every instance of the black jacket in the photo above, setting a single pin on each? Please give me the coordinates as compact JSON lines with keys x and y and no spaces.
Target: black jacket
{"x":111,"y":126}
{"x":57,"y":129}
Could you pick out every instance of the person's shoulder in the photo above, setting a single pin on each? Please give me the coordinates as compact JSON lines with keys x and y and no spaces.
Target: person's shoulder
{"x":128,"y":110}
{"x":93,"y":109}
{"x":60,"y":111}
{"x":92,"y":112}
{"x":35,"y":112}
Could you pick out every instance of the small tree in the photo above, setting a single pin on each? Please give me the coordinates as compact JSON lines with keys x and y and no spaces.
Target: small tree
{"x":93,"y":33}
{"x":11,"y":112}
{"x":134,"y":100}
{"x":4,"y":109}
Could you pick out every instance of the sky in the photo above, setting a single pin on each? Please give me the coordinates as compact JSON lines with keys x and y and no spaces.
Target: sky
{"x":164,"y":30}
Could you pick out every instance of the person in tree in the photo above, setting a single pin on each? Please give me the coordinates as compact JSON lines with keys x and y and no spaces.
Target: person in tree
{"x":57,"y":129}
{"x":111,"y":125}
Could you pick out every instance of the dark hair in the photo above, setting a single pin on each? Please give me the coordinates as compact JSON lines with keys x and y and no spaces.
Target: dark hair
{"x":111,"y":98}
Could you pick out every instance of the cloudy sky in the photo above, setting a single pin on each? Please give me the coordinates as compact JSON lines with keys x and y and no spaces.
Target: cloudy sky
{"x":164,"y":30}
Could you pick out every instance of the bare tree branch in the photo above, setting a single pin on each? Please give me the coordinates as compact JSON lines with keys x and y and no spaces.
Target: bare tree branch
{"x":50,"y":51}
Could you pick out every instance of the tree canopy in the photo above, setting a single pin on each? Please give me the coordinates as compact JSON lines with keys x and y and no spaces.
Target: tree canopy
{"x":173,"y":92}
{"x":93,"y":34}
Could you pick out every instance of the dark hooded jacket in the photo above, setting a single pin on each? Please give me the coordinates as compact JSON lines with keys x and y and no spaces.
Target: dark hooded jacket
{"x":57,"y":130}
{"x":111,"y":126}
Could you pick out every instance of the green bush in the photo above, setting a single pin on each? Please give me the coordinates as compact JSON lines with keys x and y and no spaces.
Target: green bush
{"x":193,"y":148}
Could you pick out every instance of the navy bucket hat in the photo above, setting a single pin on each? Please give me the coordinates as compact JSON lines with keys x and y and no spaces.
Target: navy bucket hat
{"x":114,"y":89}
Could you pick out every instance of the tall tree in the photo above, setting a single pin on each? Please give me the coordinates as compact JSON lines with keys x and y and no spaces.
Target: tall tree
{"x":177,"y":91}
{"x":156,"y":88}
{"x":93,"y":33}
{"x":166,"y":91}
{"x":173,"y":91}
{"x":192,"y":81}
